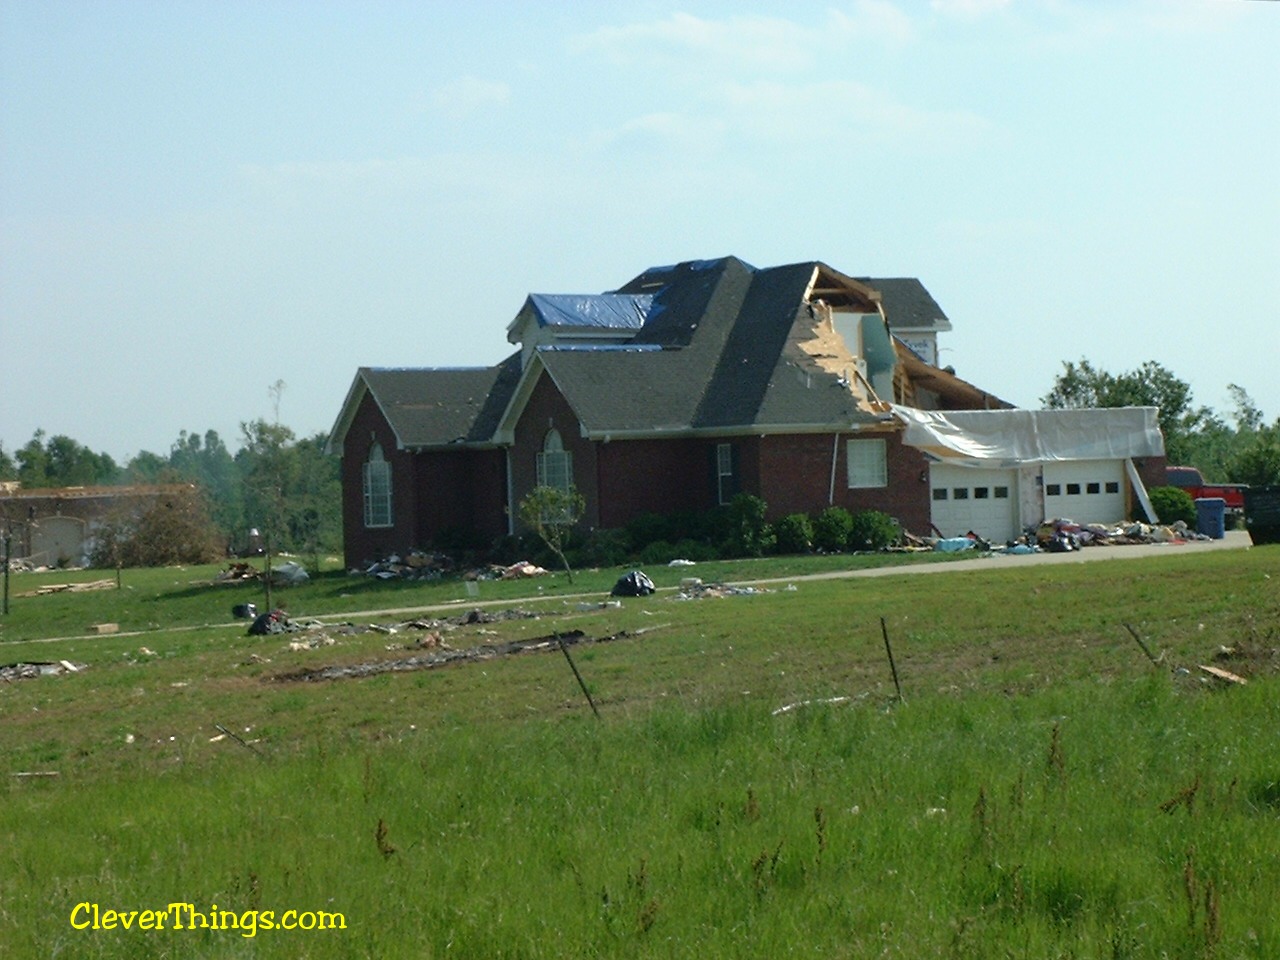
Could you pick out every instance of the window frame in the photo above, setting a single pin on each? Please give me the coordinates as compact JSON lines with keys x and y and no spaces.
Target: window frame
{"x":377,"y":489}
{"x":867,"y":473}
{"x":555,"y":463}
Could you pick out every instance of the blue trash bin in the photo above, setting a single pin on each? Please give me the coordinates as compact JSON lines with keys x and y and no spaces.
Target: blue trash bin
{"x":1211,"y":517}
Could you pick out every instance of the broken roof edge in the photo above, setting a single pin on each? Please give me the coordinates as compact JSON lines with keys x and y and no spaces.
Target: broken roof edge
{"x":916,"y":366}
{"x":95,"y":491}
{"x":829,"y":274}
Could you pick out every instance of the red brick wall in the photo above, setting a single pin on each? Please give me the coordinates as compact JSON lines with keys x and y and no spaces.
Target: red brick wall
{"x":796,"y":478}
{"x":462,"y":497}
{"x":435,"y":496}
{"x":653,"y":476}
{"x":547,"y":410}
{"x":362,"y":544}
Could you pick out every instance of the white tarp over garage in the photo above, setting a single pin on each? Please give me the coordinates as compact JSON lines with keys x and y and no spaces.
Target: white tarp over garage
{"x":998,"y":471}
{"x":1013,"y":437}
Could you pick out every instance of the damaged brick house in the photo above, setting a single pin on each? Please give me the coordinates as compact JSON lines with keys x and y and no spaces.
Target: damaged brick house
{"x":697,"y":381}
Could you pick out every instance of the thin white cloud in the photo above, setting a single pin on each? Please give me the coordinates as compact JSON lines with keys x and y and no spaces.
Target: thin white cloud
{"x":766,"y":42}
{"x":749,"y":41}
{"x":836,"y":111}
{"x":870,"y":20}
{"x":968,"y":8}
{"x":470,"y":93}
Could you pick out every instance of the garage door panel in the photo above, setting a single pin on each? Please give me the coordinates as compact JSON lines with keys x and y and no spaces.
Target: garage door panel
{"x":1087,"y":491}
{"x":982,"y":501}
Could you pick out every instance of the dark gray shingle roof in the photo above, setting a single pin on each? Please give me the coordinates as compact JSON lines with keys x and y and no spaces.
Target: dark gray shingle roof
{"x":436,"y":407}
{"x":907,"y":304}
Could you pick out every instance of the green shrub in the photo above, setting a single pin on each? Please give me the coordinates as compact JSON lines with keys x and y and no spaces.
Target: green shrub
{"x":794,"y":533}
{"x":1173,"y":504}
{"x":659,"y":551}
{"x":598,"y":548}
{"x":831,"y":529}
{"x":648,"y":528}
{"x":873,"y":530}
{"x":746,"y":533}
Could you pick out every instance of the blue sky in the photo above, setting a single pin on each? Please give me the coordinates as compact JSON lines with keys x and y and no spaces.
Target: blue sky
{"x":199,"y":199}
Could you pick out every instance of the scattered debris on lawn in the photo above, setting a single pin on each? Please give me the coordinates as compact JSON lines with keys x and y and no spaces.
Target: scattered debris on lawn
{"x":430,"y":632}
{"x":1224,"y":675}
{"x":30,"y":671}
{"x":415,"y":565}
{"x":277,"y":621}
{"x":289,"y":574}
{"x":103,"y":628}
{"x":238,"y":573}
{"x":420,"y":565}
{"x":446,"y":656}
{"x":691,"y":588}
{"x":828,"y":701}
{"x":69,"y":588}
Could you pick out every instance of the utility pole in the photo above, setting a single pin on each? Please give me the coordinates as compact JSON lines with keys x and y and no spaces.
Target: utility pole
{"x":7,"y":538}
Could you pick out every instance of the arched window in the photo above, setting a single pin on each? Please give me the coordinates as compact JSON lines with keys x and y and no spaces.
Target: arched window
{"x":377,"y":489}
{"x":555,"y":463}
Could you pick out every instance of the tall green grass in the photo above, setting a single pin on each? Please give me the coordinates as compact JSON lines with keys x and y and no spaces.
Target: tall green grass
{"x":1127,"y":819}
{"x":1042,"y":791}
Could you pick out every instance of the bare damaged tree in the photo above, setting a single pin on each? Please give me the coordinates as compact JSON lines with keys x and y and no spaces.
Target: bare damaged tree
{"x":551,"y":512}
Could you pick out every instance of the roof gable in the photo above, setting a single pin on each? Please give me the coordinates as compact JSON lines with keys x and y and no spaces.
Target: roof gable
{"x":427,"y":407}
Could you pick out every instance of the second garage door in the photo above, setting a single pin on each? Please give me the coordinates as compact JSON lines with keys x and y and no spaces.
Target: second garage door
{"x":1087,"y":491}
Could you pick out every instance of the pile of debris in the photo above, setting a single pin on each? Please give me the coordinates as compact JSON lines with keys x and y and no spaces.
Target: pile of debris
{"x":30,"y":671}
{"x":1061,"y":535}
{"x":692,"y":588}
{"x":415,"y":565}
{"x":238,"y":573}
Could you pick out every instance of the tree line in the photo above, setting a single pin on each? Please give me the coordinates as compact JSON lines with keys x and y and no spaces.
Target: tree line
{"x":288,"y":489}
{"x":279,"y":484}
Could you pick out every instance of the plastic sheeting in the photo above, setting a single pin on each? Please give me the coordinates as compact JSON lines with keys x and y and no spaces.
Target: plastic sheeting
{"x":1007,"y":437}
{"x":610,"y":311}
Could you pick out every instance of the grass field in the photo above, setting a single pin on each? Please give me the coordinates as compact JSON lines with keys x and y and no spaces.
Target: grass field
{"x":1040,"y":790}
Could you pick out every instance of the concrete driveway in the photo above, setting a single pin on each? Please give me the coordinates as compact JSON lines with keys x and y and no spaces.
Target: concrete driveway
{"x":1234,"y":540}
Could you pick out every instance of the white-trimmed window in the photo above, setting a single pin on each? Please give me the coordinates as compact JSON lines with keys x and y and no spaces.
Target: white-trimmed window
{"x":377,"y":489}
{"x":555,"y":463}
{"x":867,"y":464}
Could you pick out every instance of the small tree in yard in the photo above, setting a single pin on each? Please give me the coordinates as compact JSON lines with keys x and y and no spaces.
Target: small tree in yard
{"x":551,"y":513}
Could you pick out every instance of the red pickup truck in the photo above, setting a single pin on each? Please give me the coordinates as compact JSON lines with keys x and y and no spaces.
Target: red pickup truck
{"x":1190,"y":480}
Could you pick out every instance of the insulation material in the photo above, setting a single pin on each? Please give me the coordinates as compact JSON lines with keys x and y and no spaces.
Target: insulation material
{"x":818,"y":347}
{"x":987,"y":438}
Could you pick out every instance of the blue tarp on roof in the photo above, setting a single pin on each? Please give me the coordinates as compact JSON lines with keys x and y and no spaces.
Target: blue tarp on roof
{"x":611,"y":311}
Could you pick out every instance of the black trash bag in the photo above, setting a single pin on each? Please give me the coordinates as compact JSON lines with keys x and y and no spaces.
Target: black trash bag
{"x":633,"y":584}
{"x":244,"y":611}
{"x":267,"y":623}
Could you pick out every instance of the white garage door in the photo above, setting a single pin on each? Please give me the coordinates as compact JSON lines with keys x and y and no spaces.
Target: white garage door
{"x":982,"y":501}
{"x":1086,"y":491}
